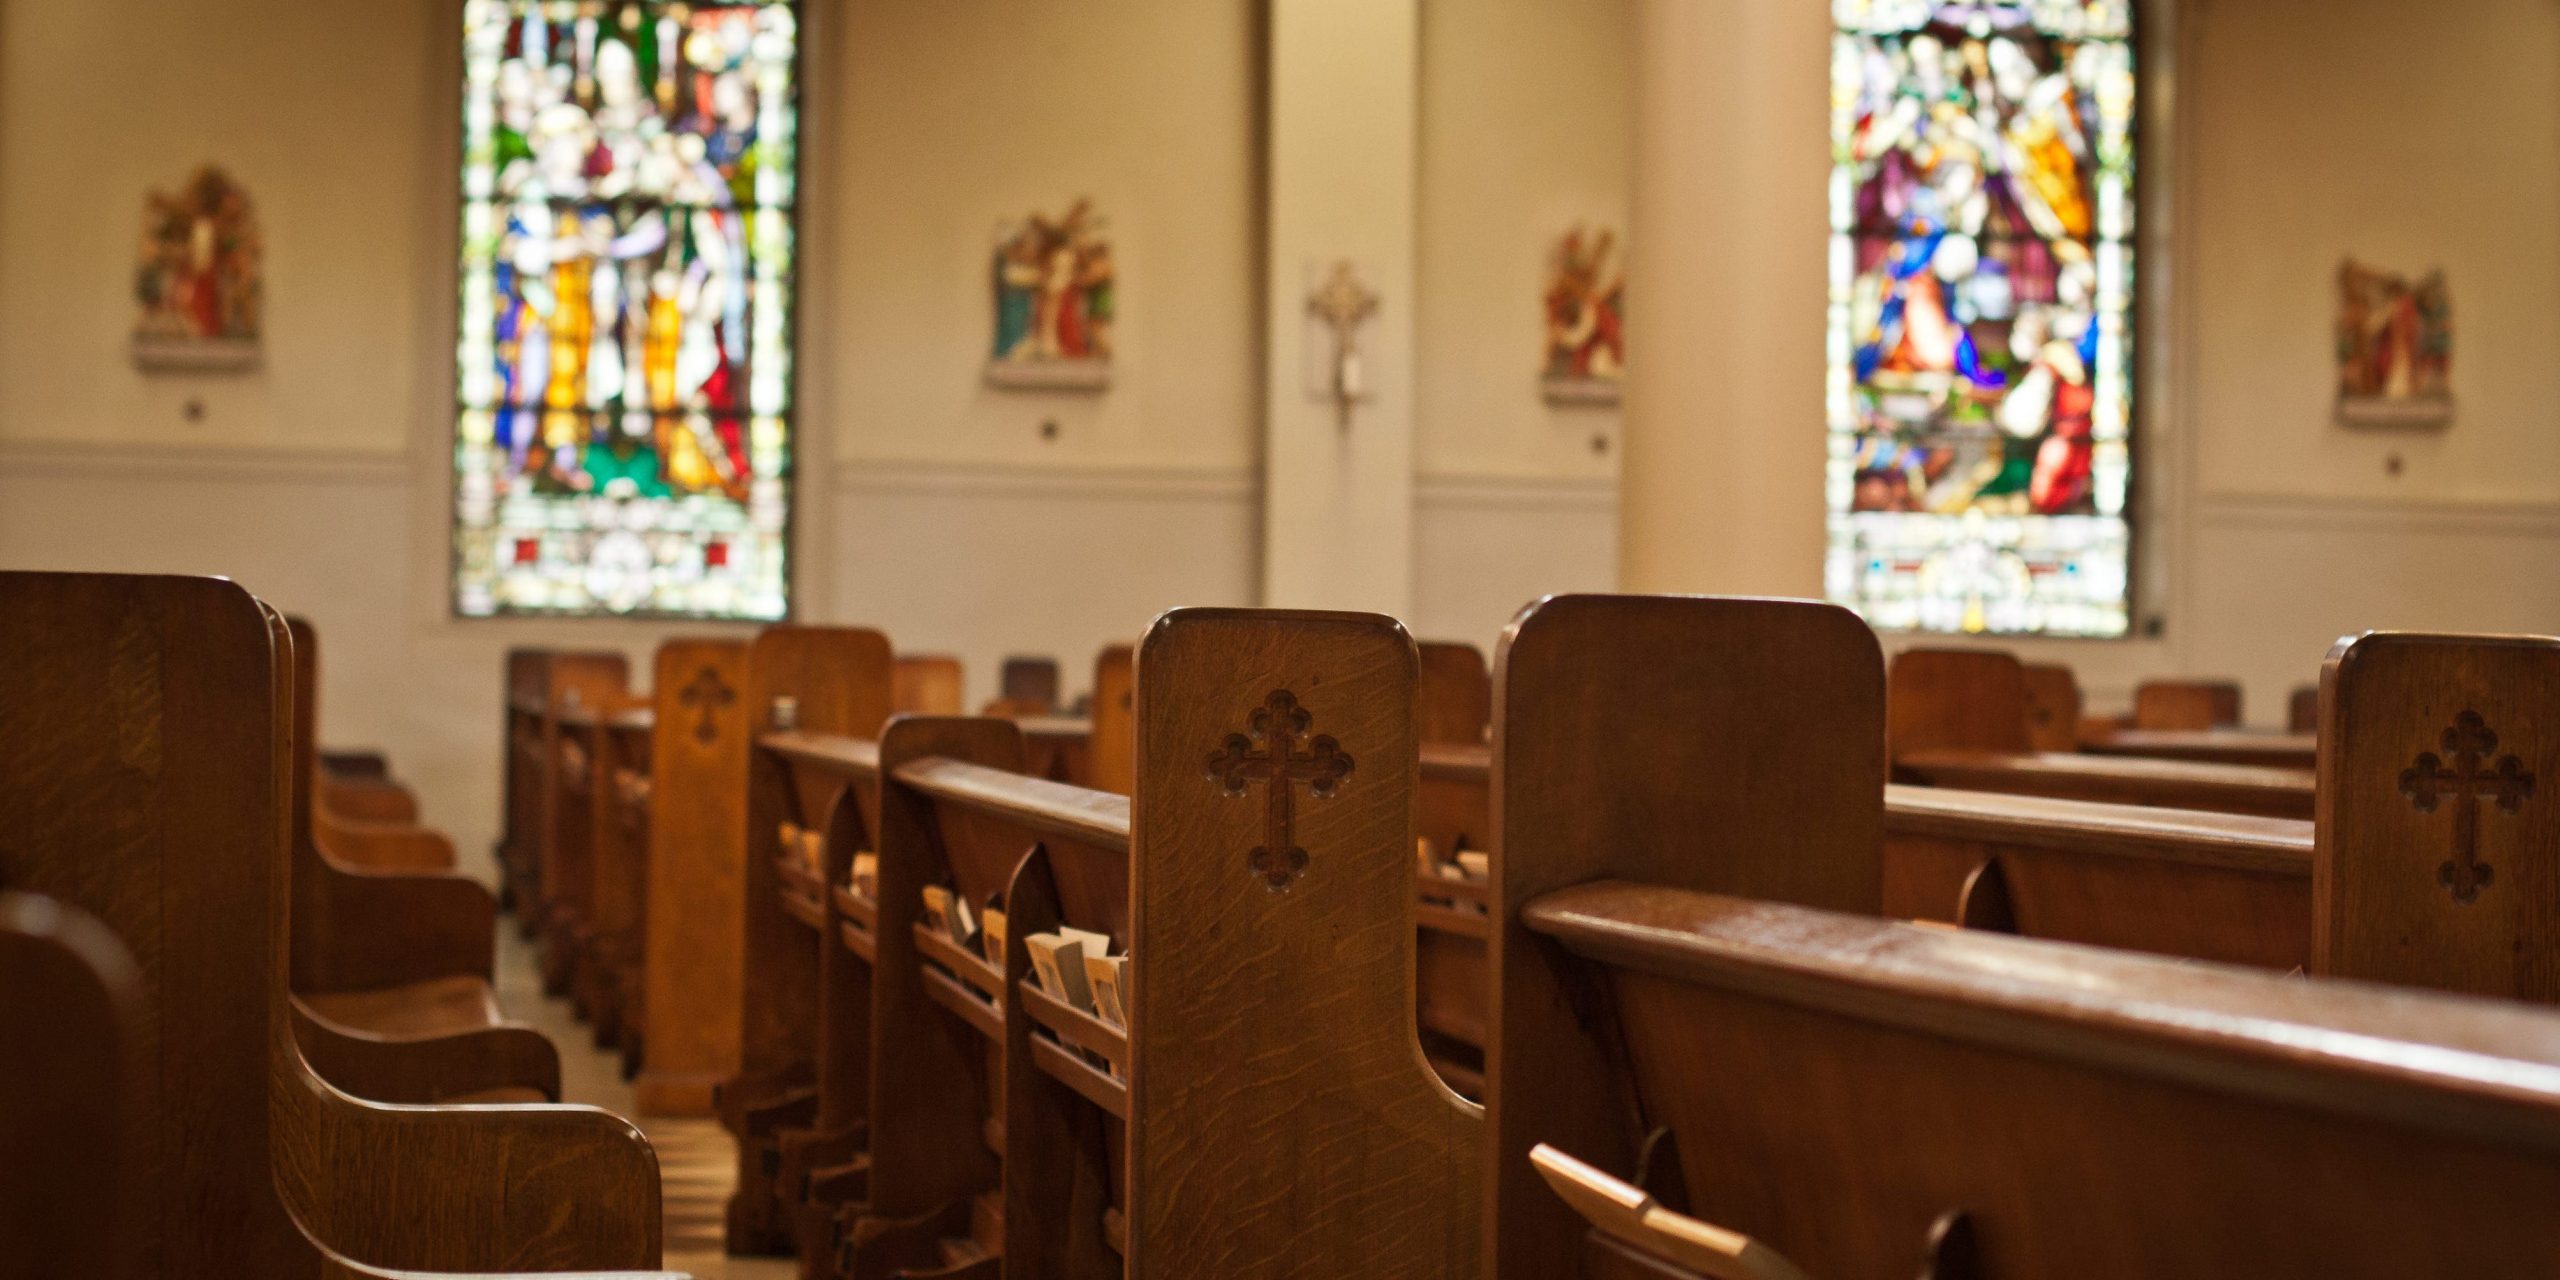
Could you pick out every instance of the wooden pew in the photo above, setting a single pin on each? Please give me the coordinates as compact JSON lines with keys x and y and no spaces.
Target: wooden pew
{"x":1026,"y":687}
{"x":2186,"y":705}
{"x":1781,"y":704}
{"x":2054,"y":710}
{"x":672,"y":778}
{"x":541,"y":686}
{"x":1453,"y":982}
{"x":146,"y":762}
{"x":2293,"y":751}
{"x":71,"y":1021}
{"x":362,"y":823}
{"x":927,"y":685}
{"x":573,"y":869}
{"x":391,"y":971}
{"x":1959,"y":720}
{"x":1845,"y":1095}
{"x":815,"y":698}
{"x":1314,"y":1154}
{"x":2302,"y":715}
{"x":1850,"y":1094}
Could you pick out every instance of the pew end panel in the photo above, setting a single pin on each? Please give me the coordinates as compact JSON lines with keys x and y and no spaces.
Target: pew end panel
{"x":2439,"y":814}
{"x":691,"y":898}
{"x":2053,"y":707}
{"x":1758,"y":770}
{"x":1273,"y":1059}
{"x":1840,"y":1088}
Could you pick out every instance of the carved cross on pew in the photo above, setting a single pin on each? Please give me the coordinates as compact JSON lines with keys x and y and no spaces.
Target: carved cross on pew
{"x":1279,"y":725}
{"x":2469,"y":743}
{"x":709,"y":695}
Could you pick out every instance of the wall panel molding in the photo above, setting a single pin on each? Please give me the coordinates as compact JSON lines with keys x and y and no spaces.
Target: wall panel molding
{"x":144,"y":460}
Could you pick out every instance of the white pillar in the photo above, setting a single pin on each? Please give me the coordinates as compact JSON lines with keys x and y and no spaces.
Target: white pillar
{"x":1344,"y":117}
{"x":1722,"y":488}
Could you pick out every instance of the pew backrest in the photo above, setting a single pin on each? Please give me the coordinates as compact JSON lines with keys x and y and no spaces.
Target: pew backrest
{"x":1272,"y":942}
{"x":2186,"y":704}
{"x":1730,"y":746}
{"x":1854,"y":1094}
{"x":1111,"y":754}
{"x":1457,"y":694}
{"x":2053,"y":707}
{"x":927,"y":685}
{"x":2439,"y":827}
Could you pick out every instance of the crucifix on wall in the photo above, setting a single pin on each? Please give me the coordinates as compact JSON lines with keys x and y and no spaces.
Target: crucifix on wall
{"x":1339,"y":305}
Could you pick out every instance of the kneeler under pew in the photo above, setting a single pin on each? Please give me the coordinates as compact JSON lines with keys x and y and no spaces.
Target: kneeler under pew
{"x":146,"y":753}
{"x":1689,"y":1079}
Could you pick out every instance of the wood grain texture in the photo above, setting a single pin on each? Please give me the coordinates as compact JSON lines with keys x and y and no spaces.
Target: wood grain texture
{"x":71,"y":1019}
{"x":1112,"y":761}
{"x":1837,"y":1085}
{"x":927,"y":685}
{"x":1756,"y":769}
{"x":147,"y":766}
{"x":2171,"y":784}
{"x":837,"y":683}
{"x":2053,"y":707}
{"x":2439,"y":830}
{"x":2189,"y":705}
{"x":2212,"y":746}
{"x":1960,"y":700}
{"x":690,"y":904}
{"x":1457,"y":694}
{"x":1282,"y":1120}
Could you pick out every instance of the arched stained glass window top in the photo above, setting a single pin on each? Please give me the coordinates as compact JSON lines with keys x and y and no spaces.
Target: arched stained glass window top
{"x":1980,"y":398}
{"x":624,"y":381}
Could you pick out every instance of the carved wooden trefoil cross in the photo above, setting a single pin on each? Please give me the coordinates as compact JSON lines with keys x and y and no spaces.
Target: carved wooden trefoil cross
{"x":1268,"y":751}
{"x":710,"y":695}
{"x":2470,"y":777}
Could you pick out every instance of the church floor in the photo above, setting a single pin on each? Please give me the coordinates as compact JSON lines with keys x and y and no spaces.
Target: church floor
{"x":695,"y":1159}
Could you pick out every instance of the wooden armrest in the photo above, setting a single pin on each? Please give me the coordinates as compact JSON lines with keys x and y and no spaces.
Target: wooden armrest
{"x":388,"y":930}
{"x":1623,"y":1212}
{"x":382,"y":846}
{"x":363,"y":800}
{"x":355,"y":764}
{"x":465,"y":1189}
{"x":427,"y":1069}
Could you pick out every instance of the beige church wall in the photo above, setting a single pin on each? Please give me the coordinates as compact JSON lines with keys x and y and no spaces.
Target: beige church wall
{"x":2282,"y":134}
{"x":1527,"y":130}
{"x":1528,"y":119}
{"x":951,"y":119}
{"x":2410,"y":136}
{"x":104,"y":100}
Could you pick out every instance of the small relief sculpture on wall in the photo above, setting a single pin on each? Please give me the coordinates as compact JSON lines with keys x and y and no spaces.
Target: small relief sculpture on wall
{"x":2395,"y":348}
{"x":199,"y":280}
{"x":1054,"y":303}
{"x":1585,"y":315}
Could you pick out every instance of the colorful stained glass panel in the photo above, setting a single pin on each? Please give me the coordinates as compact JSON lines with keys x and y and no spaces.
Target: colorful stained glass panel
{"x":623,"y":370}
{"x":1980,"y":400}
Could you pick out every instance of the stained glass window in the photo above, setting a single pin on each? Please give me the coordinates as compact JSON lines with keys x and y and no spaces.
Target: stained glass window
{"x":624,"y":382}
{"x":1980,"y":399}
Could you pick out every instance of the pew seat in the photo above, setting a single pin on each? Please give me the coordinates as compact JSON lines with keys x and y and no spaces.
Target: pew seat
{"x":457,"y":1003}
